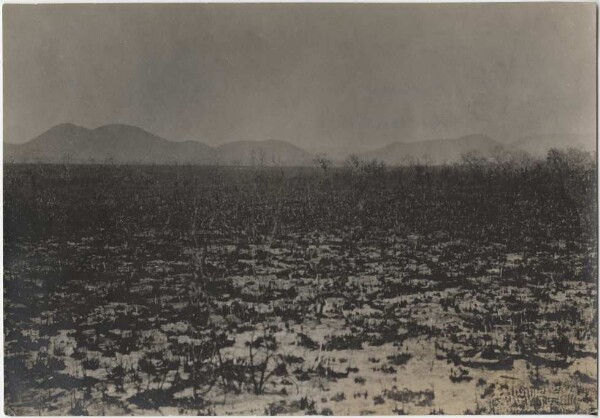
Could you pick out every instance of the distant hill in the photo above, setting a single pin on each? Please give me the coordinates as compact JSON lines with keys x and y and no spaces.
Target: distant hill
{"x":437,"y":151}
{"x":126,"y":144}
{"x":129,"y":144}
{"x":123,"y":144}
{"x":538,"y":145}
{"x":270,"y":152}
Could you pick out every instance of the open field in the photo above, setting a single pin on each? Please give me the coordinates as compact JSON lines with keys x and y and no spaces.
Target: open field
{"x":266,"y":290}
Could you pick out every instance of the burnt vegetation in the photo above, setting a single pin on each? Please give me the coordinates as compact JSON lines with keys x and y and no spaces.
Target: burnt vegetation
{"x":184,"y":289}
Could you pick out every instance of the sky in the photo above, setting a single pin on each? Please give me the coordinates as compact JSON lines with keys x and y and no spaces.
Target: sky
{"x":321,"y":76}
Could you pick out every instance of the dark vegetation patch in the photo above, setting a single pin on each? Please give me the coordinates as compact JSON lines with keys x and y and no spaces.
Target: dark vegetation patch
{"x":489,"y":262}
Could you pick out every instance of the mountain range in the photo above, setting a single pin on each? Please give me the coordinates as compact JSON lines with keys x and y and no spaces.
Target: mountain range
{"x":126,"y":144}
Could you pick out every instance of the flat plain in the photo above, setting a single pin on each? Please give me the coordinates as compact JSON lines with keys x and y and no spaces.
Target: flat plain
{"x":363,"y":289}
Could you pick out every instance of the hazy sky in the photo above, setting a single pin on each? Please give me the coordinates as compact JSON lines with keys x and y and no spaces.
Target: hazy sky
{"x":318,"y":76}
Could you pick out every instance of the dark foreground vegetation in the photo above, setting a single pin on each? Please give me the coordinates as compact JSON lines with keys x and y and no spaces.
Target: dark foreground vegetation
{"x":361,"y":289}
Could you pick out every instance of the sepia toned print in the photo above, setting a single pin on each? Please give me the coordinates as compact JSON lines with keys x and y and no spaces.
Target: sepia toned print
{"x":300,"y":209}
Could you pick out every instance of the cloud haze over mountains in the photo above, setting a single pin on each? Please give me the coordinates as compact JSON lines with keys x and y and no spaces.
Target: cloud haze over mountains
{"x":336,"y":78}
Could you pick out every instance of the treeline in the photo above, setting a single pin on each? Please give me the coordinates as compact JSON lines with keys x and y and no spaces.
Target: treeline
{"x":567,"y":174}
{"x":572,"y":163}
{"x":265,"y":200}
